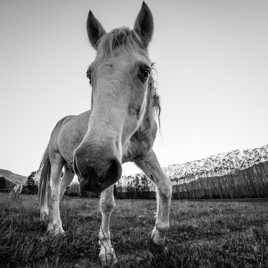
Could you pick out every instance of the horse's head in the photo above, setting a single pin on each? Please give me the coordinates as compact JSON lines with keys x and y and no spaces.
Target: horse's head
{"x":119,"y":78}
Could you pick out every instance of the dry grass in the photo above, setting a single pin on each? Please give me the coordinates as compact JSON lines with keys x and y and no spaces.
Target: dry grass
{"x":202,"y":234}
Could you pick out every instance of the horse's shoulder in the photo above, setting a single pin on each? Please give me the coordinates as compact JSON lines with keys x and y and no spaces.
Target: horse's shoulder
{"x":83,"y":116}
{"x":73,"y":120}
{"x":61,"y":123}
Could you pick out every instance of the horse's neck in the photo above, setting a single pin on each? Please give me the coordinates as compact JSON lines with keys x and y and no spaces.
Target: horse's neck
{"x":143,"y":139}
{"x":148,"y":123}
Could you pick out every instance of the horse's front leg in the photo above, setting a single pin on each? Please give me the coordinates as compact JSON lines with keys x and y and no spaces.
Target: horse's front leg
{"x":107,"y":203}
{"x":151,"y":167}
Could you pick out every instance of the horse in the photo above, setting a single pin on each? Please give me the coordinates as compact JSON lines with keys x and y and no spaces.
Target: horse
{"x":15,"y":192}
{"x":120,"y":127}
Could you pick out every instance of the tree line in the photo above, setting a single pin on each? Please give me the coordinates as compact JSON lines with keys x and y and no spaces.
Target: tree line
{"x":247,"y":182}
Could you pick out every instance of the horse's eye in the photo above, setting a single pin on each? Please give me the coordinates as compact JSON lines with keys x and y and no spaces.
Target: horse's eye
{"x":143,"y":72}
{"x":89,"y":75}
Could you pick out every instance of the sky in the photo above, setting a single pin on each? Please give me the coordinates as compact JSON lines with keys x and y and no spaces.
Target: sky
{"x":211,"y":58}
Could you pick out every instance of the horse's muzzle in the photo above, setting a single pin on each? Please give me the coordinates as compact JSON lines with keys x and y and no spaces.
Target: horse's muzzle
{"x":91,"y":181}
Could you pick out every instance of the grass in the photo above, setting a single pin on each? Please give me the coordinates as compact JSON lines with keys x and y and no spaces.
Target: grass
{"x":202,"y":234}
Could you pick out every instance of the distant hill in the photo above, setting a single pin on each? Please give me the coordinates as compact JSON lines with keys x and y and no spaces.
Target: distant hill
{"x":13,"y":177}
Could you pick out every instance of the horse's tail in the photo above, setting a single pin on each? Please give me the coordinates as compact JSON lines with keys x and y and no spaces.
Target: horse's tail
{"x":44,"y":169}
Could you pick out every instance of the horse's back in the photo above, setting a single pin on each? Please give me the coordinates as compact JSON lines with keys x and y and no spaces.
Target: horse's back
{"x":67,"y":135}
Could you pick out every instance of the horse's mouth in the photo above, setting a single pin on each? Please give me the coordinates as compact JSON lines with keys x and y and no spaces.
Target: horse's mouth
{"x":87,"y":185}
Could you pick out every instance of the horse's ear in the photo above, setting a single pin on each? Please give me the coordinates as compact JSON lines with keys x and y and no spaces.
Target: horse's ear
{"x":144,"y":24}
{"x":94,"y":30}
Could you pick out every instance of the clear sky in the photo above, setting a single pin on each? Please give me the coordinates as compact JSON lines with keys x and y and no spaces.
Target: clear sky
{"x":211,"y":58}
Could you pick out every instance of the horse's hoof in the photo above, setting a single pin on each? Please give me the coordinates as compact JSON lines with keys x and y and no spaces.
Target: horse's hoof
{"x":108,"y":259}
{"x":156,"y":249}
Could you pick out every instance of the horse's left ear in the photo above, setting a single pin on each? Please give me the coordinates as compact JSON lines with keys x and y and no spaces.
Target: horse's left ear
{"x":144,"y":24}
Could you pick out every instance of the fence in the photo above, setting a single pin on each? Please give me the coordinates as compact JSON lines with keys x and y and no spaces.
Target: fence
{"x":246,"y":183}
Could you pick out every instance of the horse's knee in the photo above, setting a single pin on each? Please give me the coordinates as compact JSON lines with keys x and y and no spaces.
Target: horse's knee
{"x":107,"y":205}
{"x":55,"y":195}
{"x":165,"y":190}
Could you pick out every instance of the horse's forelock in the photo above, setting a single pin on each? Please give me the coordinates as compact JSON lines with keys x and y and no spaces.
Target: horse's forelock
{"x":121,"y":38}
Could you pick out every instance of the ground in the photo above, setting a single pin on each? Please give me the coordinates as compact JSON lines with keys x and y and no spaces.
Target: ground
{"x":203,"y":234}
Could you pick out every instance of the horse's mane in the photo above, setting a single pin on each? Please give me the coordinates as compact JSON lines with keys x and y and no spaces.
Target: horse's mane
{"x":124,"y":39}
{"x":155,"y":98}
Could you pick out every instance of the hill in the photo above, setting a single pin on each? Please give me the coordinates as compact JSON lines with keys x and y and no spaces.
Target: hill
{"x":13,"y":177}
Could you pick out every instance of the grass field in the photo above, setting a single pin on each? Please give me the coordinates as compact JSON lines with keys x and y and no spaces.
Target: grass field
{"x":202,"y":234}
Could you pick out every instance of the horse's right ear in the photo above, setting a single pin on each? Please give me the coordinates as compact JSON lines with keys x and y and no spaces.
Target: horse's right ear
{"x":95,"y":30}
{"x":144,"y":24}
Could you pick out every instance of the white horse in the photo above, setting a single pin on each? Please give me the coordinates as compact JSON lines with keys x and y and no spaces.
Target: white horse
{"x":120,"y":127}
